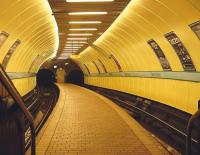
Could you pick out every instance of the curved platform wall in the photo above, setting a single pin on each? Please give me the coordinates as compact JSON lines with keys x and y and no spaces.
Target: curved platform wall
{"x":126,"y":40}
{"x":30,"y":22}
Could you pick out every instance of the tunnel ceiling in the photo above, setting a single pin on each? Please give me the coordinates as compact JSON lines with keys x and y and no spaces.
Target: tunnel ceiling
{"x":72,"y":38}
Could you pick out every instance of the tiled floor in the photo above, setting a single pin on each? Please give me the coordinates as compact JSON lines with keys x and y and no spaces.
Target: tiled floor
{"x":85,"y":123}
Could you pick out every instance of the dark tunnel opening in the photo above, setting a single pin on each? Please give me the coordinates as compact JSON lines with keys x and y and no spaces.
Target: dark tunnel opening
{"x":45,"y":77}
{"x":75,"y":77}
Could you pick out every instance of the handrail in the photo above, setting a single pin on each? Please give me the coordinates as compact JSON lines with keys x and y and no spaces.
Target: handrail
{"x":15,"y":94}
{"x":189,"y":131}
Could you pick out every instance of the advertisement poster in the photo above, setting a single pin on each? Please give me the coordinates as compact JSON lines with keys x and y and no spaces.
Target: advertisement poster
{"x":181,"y":51}
{"x":161,"y":56}
{"x":196,"y":28}
{"x":3,"y":38}
{"x":10,"y":52}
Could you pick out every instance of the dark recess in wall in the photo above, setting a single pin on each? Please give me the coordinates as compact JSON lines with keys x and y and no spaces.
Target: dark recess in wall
{"x":75,"y":77}
{"x":45,"y":77}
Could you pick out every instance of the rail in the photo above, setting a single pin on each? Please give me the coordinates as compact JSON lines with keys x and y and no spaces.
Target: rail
{"x":187,"y":135}
{"x":190,"y":127}
{"x":14,"y":93}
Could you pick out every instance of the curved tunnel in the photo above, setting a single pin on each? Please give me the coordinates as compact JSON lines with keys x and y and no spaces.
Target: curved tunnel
{"x":143,"y":49}
{"x":146,"y":51}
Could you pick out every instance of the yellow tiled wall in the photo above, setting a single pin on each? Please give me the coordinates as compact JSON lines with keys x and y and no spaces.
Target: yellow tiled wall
{"x":127,"y":38}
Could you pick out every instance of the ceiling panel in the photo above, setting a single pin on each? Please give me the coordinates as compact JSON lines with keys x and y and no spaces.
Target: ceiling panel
{"x":61,"y":8}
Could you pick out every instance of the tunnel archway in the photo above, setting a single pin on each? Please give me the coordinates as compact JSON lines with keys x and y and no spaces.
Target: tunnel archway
{"x":75,"y":77}
{"x":45,"y":77}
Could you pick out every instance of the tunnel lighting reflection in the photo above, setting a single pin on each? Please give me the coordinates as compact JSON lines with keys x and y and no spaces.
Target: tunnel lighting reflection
{"x":85,"y":22}
{"x":89,"y":0}
{"x":77,"y":38}
{"x":80,"y":34}
{"x":87,"y":13}
{"x":83,"y":29}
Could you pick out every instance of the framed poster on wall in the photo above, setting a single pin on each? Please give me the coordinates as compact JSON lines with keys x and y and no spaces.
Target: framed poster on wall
{"x":10,"y":52}
{"x":196,"y":28}
{"x":159,"y":53}
{"x":3,"y":38}
{"x":181,"y":51}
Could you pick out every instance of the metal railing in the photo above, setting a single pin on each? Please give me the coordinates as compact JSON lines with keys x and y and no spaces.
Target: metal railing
{"x":16,"y":96}
{"x":190,"y":127}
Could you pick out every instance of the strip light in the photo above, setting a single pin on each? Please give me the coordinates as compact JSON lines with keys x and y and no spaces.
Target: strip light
{"x":77,"y":38}
{"x":85,"y":22}
{"x":76,"y":42}
{"x":89,"y":0}
{"x":80,"y":34}
{"x":69,"y":45}
{"x":83,"y":29}
{"x":62,"y":58}
{"x":72,"y":47}
{"x":88,"y":13}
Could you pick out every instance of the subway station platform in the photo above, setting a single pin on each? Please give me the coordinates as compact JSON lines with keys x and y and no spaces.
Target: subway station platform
{"x":86,"y":123}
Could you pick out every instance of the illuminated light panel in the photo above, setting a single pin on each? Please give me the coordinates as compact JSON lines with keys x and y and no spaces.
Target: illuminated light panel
{"x":65,"y":55}
{"x":71,"y":47}
{"x":83,"y":29}
{"x":85,"y":22}
{"x":67,"y":45}
{"x":62,"y":58}
{"x":76,"y":42}
{"x":80,"y":34}
{"x":89,"y":0}
{"x":77,"y":38}
{"x":88,"y":13}
{"x":76,"y":46}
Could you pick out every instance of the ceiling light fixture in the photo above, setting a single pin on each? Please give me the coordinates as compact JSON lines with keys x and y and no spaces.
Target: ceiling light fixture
{"x":62,"y":58}
{"x":89,"y":0}
{"x":71,"y":47}
{"x":85,"y":22}
{"x":83,"y":29}
{"x":75,"y":45}
{"x":77,"y":38}
{"x":88,"y":13}
{"x":76,"y":42}
{"x":80,"y":34}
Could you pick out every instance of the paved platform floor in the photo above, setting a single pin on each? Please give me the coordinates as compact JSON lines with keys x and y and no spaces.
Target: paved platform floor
{"x":85,"y":123}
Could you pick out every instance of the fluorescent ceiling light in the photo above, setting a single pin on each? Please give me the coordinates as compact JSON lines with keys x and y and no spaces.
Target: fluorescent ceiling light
{"x":64,"y":55}
{"x":76,"y":42}
{"x":80,"y":34}
{"x":87,"y":13}
{"x":62,"y":58}
{"x":71,"y":47}
{"x":77,"y":38}
{"x":74,"y":45}
{"x":89,"y":0}
{"x":85,"y":22}
{"x":83,"y":29}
